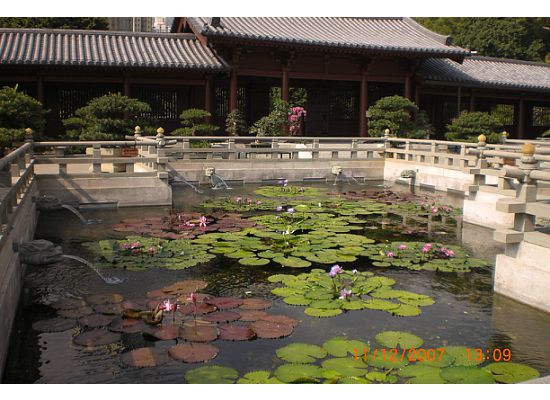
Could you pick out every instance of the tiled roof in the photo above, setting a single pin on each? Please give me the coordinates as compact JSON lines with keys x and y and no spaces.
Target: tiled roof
{"x":373,"y":34}
{"x":105,"y":49}
{"x":489,"y":72}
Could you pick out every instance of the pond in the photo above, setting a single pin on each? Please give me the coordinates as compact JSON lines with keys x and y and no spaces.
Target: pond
{"x":411,"y":268}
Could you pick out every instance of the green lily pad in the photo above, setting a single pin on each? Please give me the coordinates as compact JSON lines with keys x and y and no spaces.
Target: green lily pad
{"x":297,"y":300}
{"x":508,"y":372}
{"x":298,"y":373}
{"x":341,"y":347}
{"x":211,"y":374}
{"x":254,"y":261}
{"x":353,"y":380}
{"x":258,"y":377}
{"x":383,"y":305}
{"x":463,"y":374}
{"x":293,"y":262}
{"x":286,"y":291}
{"x":393,"y":339}
{"x":353,"y":305}
{"x":322,"y":313}
{"x":387,"y":359}
{"x":405,"y":310}
{"x":301,"y":353}
{"x":421,"y":374}
{"x":346,"y":366}
{"x":463,"y":356}
{"x":376,"y":376}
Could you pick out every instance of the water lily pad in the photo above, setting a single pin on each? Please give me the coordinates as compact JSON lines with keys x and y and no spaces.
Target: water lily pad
{"x":127,"y":325}
{"x":462,"y":356}
{"x":463,"y":374}
{"x":322,"y":313}
{"x":156,"y":294}
{"x":199,"y":333}
{"x":508,"y":372}
{"x":353,"y":305}
{"x":353,"y":380}
{"x":258,"y":377}
{"x":376,"y":376}
{"x":377,"y":304}
{"x":211,"y":374}
{"x":97,"y":337}
{"x":135,"y":304}
{"x":256,"y":304}
{"x":187,"y":286}
{"x":98,"y":299}
{"x":222,"y":316}
{"x":109,"y":309}
{"x":252,"y":315}
{"x":76,"y":312}
{"x":96,"y":320}
{"x":145,"y":357}
{"x":405,"y":310}
{"x":193,"y":352}
{"x":271,"y":330}
{"x":421,"y":374}
{"x":162,"y":332}
{"x":405,"y":340}
{"x":341,"y":347}
{"x":293,"y":262}
{"x":200,"y":308}
{"x":346,"y":366}
{"x":54,"y":325}
{"x":386,"y":360}
{"x":286,"y":291}
{"x":297,"y":300}
{"x":301,"y":353}
{"x":254,"y":261}
{"x":298,"y":373}
{"x":224,"y":303}
{"x":234,"y":332}
{"x":69,"y":304}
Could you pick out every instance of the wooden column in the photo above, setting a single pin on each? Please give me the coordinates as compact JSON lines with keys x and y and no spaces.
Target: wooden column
{"x":458,"y":100}
{"x":408,"y":86}
{"x":126,"y":84}
{"x":233,"y":81}
{"x":285,"y":85}
{"x":363,"y":103}
{"x":472,"y":102}
{"x":521,"y":118}
{"x":208,"y":94}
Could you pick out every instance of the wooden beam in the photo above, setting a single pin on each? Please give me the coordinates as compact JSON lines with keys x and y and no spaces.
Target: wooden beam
{"x":363,"y":103}
{"x":521,"y":119}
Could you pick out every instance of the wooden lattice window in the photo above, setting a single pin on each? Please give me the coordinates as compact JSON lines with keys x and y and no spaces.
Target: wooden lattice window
{"x":163,"y":102}
{"x":71,"y":99}
{"x":541,"y":116}
{"x":221,"y":100}
{"x":342,"y":104}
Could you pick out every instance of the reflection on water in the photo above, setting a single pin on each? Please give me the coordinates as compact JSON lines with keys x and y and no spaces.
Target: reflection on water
{"x":466,"y":311}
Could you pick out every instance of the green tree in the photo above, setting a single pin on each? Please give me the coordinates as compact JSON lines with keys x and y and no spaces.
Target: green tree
{"x":517,"y":38}
{"x":17,"y":112}
{"x":397,"y":114}
{"x":273,"y":124}
{"x":109,"y":117}
{"x":235,"y":123}
{"x":469,"y":125}
{"x":94,"y":23}
{"x":195,"y":123}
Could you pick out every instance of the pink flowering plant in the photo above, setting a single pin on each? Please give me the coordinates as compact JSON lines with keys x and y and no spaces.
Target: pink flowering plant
{"x":296,"y":116}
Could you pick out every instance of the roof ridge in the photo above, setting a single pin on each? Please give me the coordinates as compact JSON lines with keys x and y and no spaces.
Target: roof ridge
{"x":96,"y":32}
{"x":444,"y":39}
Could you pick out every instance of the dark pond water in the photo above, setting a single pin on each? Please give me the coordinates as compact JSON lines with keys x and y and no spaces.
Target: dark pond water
{"x":466,"y":311}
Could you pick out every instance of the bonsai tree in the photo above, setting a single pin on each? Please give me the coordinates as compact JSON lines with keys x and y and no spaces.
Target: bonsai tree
{"x":273,"y":124}
{"x":469,"y":125}
{"x":235,"y":123}
{"x":397,"y":114}
{"x":17,"y":112}
{"x":108,"y":117}
{"x":194,"y":121}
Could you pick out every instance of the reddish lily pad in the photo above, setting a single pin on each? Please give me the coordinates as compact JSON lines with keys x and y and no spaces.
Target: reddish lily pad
{"x":75,"y":313}
{"x":271,"y":330}
{"x":96,"y":320}
{"x":127,"y":325}
{"x":69,"y":304}
{"x":54,"y":325}
{"x":281,"y":319}
{"x":98,"y":299}
{"x":135,"y":304}
{"x":199,"y":297}
{"x":187,"y":286}
{"x":235,"y":332}
{"x":163,"y":332}
{"x":222,"y":316}
{"x":252,"y":315}
{"x":146,"y":357}
{"x":97,"y":337}
{"x":225,"y":303}
{"x":199,"y":333}
{"x":256,"y":304}
{"x":156,"y":294}
{"x":110,"y":309}
{"x":193,"y":352}
{"x":201,"y":308}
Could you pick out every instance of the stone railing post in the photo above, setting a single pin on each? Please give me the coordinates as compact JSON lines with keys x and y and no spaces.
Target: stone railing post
{"x":479,"y":178}
{"x":387,"y":143}
{"x":29,"y":139}
{"x":528,"y":192}
{"x":231,"y":148}
{"x":503,"y":137}
{"x":407,"y":156}
{"x":315,"y":149}
{"x":96,"y":160}
{"x":463,"y":161}
{"x":353,"y":154}
{"x":185,"y":145}
{"x":161,"y":154}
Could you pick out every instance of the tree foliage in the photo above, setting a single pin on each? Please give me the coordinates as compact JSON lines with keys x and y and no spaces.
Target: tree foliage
{"x":109,"y":117}
{"x":397,"y":114}
{"x":517,"y":38}
{"x":274,"y":123}
{"x":469,"y":125}
{"x":94,"y":23}
{"x":195,"y":123}
{"x":235,"y":123}
{"x":19,"y":111}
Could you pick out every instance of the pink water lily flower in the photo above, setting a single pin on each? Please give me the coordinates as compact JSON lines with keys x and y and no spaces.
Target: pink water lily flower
{"x":258,"y":202}
{"x":390,"y":254}
{"x":238,"y":199}
{"x":290,"y":210}
{"x":426,"y":248}
{"x":168,"y":305}
{"x":335,"y":270}
{"x":191,"y":298}
{"x":344,"y":294}
{"x":202,"y":220}
{"x":279,"y":208}
{"x":402,"y":247}
{"x":435,"y":210}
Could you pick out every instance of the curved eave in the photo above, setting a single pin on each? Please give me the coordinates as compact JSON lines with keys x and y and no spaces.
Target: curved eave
{"x":485,"y":85}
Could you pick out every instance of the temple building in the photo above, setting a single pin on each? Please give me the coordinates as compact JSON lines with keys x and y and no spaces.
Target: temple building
{"x":343,"y":65}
